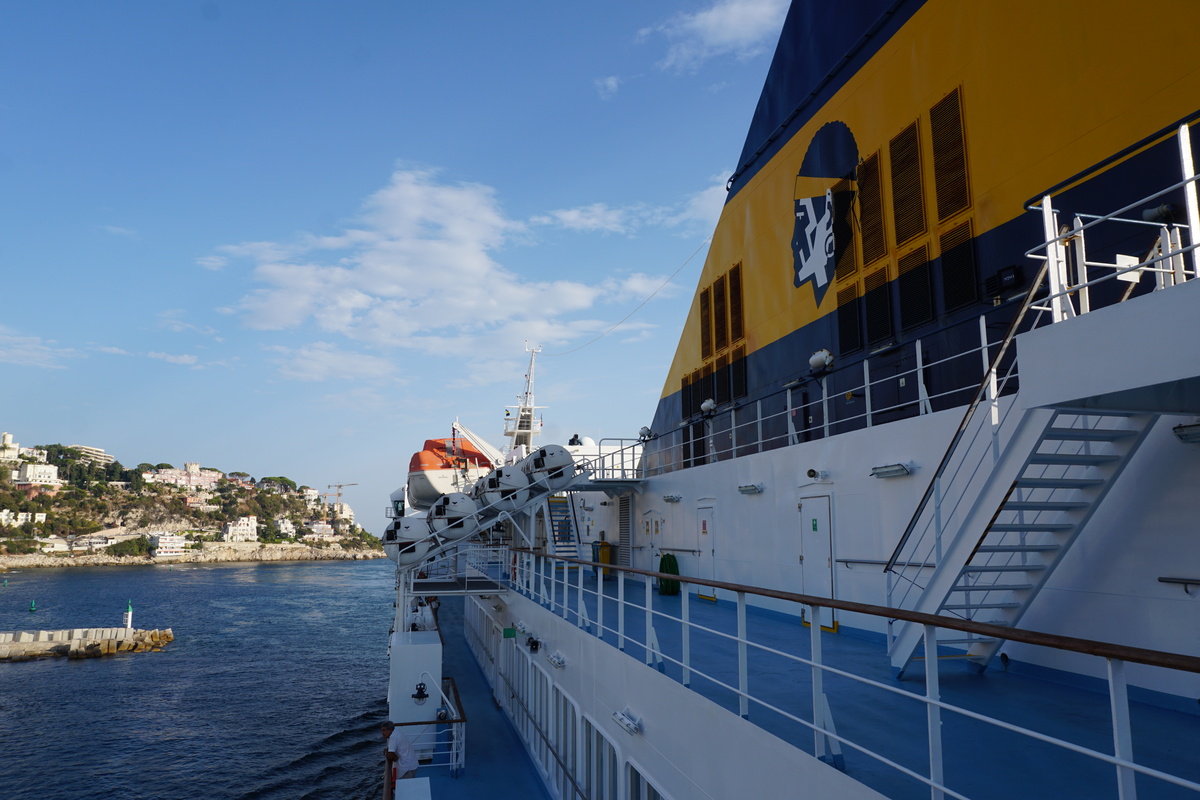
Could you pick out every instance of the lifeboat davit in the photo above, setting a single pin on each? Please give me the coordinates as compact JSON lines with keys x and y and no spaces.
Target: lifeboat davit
{"x":406,"y":540}
{"x":503,"y":489}
{"x":443,"y":466}
{"x":550,"y":467}
{"x":453,"y":516}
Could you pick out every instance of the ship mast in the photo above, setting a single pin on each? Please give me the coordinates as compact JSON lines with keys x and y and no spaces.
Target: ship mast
{"x":518,"y":420}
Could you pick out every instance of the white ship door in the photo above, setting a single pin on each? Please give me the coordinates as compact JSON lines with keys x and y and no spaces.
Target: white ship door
{"x":816,"y":551}
{"x":707,"y":546}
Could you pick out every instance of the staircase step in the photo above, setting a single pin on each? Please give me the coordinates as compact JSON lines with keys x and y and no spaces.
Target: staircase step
{"x":995,"y":587}
{"x":1018,"y":548}
{"x":971,"y":606}
{"x":1058,"y":483}
{"x":1072,"y":459}
{"x":1004,"y":568}
{"x":1025,"y":527}
{"x":1044,"y":505}
{"x":1089,"y":434}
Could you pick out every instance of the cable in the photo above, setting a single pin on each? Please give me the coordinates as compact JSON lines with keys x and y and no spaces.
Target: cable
{"x":635,"y":310}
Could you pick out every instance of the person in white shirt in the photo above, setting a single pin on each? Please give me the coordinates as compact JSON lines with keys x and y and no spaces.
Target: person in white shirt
{"x":399,"y":752}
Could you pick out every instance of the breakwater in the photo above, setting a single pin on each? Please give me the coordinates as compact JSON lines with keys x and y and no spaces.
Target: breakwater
{"x":210,"y":553}
{"x":80,"y":643}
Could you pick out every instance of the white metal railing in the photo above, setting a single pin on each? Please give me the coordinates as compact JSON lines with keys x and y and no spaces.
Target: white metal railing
{"x":1067,"y":279}
{"x":632,"y":627}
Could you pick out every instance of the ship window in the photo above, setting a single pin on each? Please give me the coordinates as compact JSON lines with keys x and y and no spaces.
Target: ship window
{"x":720,"y":315}
{"x":908,"y":205}
{"x":844,"y":254}
{"x":960,"y":285}
{"x":736,"y":325}
{"x":849,"y":335}
{"x":877,"y":306}
{"x":706,"y":348}
{"x":916,"y":289}
{"x":870,"y":204}
{"x":949,"y":156}
{"x":721,"y":380}
{"x":737,"y":373}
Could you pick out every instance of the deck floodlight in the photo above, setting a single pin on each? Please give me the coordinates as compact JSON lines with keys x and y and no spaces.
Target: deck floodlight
{"x":627,"y":721}
{"x":820,"y":360}
{"x":557,"y":659}
{"x":891,"y":471}
{"x":1188,"y":434}
{"x":751,"y":488}
{"x":671,"y":498}
{"x":708,"y":406}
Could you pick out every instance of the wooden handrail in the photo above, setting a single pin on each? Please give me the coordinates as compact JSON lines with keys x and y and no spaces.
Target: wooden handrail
{"x":1135,"y":655}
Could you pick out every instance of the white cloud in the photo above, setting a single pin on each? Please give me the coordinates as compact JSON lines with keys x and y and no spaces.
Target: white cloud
{"x":31,"y":351}
{"x":596,"y":217}
{"x":321,"y":361}
{"x":123,"y":232}
{"x":186,"y":360}
{"x":607,"y":87}
{"x":112,"y":351}
{"x":172,"y":320}
{"x":212,"y":262}
{"x":741,"y":28}
{"x":703,"y":208}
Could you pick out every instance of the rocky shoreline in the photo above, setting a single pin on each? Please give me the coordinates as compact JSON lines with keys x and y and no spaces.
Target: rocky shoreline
{"x":212,"y":552}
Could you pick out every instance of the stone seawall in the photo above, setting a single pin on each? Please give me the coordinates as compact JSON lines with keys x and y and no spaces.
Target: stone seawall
{"x":212,"y":552}
{"x":80,"y":643}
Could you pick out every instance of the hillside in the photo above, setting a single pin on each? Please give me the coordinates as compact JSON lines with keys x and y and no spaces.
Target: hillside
{"x":127,"y":503}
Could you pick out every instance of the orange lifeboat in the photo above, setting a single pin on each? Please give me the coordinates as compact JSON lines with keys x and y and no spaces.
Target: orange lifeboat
{"x":443,"y":466}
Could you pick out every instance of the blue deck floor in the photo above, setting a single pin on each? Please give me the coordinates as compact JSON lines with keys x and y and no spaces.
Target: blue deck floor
{"x":981,"y":762}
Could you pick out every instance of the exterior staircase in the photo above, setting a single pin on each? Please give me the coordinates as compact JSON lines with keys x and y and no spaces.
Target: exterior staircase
{"x":1052,"y":476}
{"x":563,"y":537}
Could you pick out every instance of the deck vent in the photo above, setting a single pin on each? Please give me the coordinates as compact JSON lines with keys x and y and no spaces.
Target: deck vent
{"x":870,"y":203}
{"x":908,"y":204}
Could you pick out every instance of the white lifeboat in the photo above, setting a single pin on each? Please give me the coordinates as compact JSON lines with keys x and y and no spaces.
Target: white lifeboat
{"x":550,"y":467}
{"x":406,"y":540}
{"x":503,"y":489}
{"x":453,"y":516}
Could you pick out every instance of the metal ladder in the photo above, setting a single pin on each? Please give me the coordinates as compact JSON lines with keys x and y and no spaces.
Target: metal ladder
{"x":563,"y":538}
{"x":994,"y":576}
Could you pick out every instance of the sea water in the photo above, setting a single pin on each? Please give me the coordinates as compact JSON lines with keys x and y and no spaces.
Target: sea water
{"x":274,"y":686}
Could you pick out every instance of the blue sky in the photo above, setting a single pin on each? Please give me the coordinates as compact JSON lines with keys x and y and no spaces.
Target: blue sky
{"x":300,"y":238}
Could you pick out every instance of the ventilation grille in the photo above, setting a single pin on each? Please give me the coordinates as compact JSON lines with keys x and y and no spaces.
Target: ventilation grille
{"x":907,"y":203}
{"x":878,"y":307}
{"x":706,"y":348}
{"x":844,"y":253}
{"x":737,"y":373}
{"x":916,"y":289}
{"x":849,"y":327}
{"x":949,"y":156}
{"x":720,"y":315}
{"x":960,"y":285}
{"x":736,"y":325}
{"x":721,"y":376}
{"x":870,"y":203}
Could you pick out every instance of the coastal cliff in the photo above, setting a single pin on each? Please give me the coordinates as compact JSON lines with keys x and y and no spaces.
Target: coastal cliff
{"x":210,"y":553}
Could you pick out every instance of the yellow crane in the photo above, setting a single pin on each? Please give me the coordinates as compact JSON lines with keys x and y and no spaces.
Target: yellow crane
{"x":338,"y":494}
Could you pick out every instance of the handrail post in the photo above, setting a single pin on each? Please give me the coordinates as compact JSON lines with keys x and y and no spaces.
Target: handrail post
{"x":686,"y":633}
{"x":649,"y":617}
{"x":743,"y":670}
{"x":620,"y":609}
{"x":818,"y":680}
{"x":1189,"y":193}
{"x":1118,"y":695}
{"x":579,"y":597}
{"x":825,"y":407}
{"x":599,"y":603}
{"x":867,"y":388}
{"x":933,"y":714}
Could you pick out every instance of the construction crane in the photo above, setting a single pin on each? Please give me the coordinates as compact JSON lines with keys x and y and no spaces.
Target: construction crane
{"x":338,"y":494}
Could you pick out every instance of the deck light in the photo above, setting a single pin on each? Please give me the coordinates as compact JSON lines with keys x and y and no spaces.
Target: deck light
{"x":1188,"y":434}
{"x":891,"y":471}
{"x":820,"y":360}
{"x":708,"y":406}
{"x":557,"y":659}
{"x":671,"y":498}
{"x":751,"y":488}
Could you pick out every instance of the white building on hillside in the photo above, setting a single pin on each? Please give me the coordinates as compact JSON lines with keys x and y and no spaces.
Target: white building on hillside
{"x":244,"y":530}
{"x":11,"y":451}
{"x":8,"y":517}
{"x":321,"y":531}
{"x":167,"y":544}
{"x":286,"y":527}
{"x":312,"y":498}
{"x":94,"y":455}
{"x":191,"y":476}
{"x":342,"y":511}
{"x":38,"y":474}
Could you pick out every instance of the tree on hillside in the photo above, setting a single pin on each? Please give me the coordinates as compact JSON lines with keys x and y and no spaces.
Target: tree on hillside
{"x":164,"y":465}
